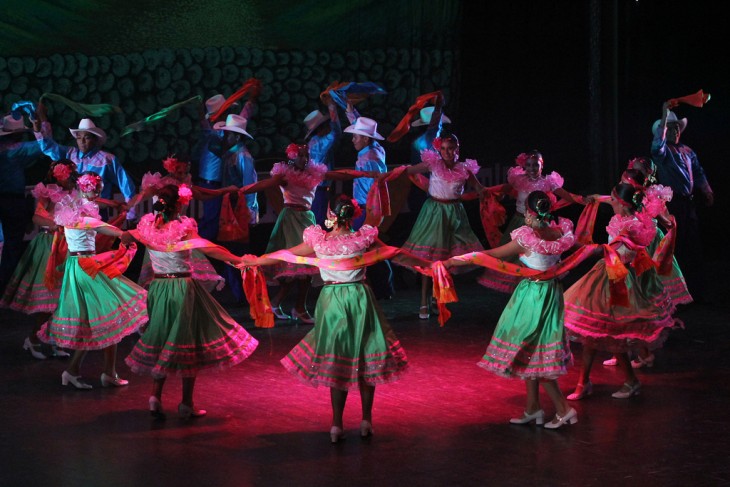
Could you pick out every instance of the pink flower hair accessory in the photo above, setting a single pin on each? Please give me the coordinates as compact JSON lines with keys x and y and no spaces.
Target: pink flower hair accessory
{"x":171,"y":164}
{"x":184,"y":194}
{"x":521,"y":159}
{"x":436,"y":143}
{"x":293,"y":150}
{"x":89,"y":183}
{"x":61,"y":172}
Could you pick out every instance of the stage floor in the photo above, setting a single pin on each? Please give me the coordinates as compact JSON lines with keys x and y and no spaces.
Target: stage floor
{"x":444,"y":424}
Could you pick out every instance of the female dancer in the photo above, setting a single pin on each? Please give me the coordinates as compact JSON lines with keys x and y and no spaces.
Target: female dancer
{"x":298,"y":179}
{"x":188,"y":331}
{"x":593,"y":320}
{"x":525,"y":177}
{"x":442,"y":229}
{"x":26,"y":291}
{"x":351,"y":344}
{"x":93,"y":312}
{"x":529,"y":341}
{"x":178,"y":172}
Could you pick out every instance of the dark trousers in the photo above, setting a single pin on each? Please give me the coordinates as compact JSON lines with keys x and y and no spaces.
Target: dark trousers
{"x":380,"y":275}
{"x":320,"y":204}
{"x":688,"y":250}
{"x":208,"y":223}
{"x":233,"y":275}
{"x":14,"y":217}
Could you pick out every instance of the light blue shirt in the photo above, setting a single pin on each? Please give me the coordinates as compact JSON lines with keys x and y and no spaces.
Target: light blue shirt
{"x":98,"y":161}
{"x":240,"y":171}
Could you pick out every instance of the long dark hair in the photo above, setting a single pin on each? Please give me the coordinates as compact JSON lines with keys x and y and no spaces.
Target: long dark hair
{"x":343,"y":210}
{"x":166,"y":203}
{"x":629,"y":195}
{"x":539,"y":203}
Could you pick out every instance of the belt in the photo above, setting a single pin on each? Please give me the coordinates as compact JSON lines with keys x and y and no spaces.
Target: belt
{"x":294,"y":207}
{"x":336,"y":283}
{"x":173,"y":275}
{"x":82,"y":252}
{"x":448,"y":202}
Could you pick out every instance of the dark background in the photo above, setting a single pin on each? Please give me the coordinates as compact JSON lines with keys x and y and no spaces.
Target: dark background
{"x":582,"y":81}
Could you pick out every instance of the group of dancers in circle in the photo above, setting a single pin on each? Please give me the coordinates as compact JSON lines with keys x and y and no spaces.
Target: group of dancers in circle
{"x":71,"y":279}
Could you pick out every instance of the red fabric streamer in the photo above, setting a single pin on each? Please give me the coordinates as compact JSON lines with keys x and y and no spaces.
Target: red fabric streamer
{"x":664,"y":253}
{"x":493,"y":215}
{"x":233,"y":225}
{"x":443,"y":290}
{"x":112,"y":263}
{"x":56,"y":259}
{"x":695,"y":99}
{"x":257,"y":294}
{"x":335,"y":85}
{"x":642,"y":262}
{"x":405,"y":124}
{"x":252,"y":87}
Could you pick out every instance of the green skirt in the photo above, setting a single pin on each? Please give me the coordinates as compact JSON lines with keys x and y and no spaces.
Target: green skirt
{"x":287,"y":233}
{"x":351,"y":342}
{"x":673,"y":283}
{"x":94,"y":313}
{"x":529,"y":341}
{"x":188,"y":331}
{"x":441,"y":231}
{"x":25,"y":291}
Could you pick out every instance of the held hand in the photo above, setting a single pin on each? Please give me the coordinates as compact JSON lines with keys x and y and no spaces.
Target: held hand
{"x":247,"y":260}
{"x":591,"y":198}
{"x":126,"y":238}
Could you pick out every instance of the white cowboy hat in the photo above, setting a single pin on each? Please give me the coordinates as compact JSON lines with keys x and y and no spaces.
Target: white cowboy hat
{"x":234,"y":123}
{"x":425,"y":117}
{"x":87,"y":125}
{"x":213,"y":103}
{"x":11,"y":126}
{"x":314,"y":120}
{"x":365,"y":126}
{"x":671,"y":118}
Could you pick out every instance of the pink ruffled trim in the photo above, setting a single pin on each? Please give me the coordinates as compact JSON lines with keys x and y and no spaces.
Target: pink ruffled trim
{"x":168,"y":234}
{"x":309,"y":178}
{"x":151,"y":181}
{"x":527,"y":238}
{"x":656,"y":198}
{"x":327,"y":244}
{"x":52,"y":192}
{"x":459,"y":173}
{"x":72,"y":208}
{"x":518,"y":179}
{"x":639,"y":228}
{"x":155,"y":181}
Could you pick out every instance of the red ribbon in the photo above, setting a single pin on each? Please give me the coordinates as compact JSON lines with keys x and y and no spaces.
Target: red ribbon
{"x":405,"y":124}
{"x":252,"y":86}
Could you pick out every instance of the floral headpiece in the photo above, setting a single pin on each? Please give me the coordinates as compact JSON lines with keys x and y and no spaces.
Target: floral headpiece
{"x":522,"y":159}
{"x":171,"y":164}
{"x":647,"y":168}
{"x":293,"y":150}
{"x":90,"y":183}
{"x":61,"y":172}
{"x":332,"y":217}
{"x":184,"y":194}
{"x":439,"y":140}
